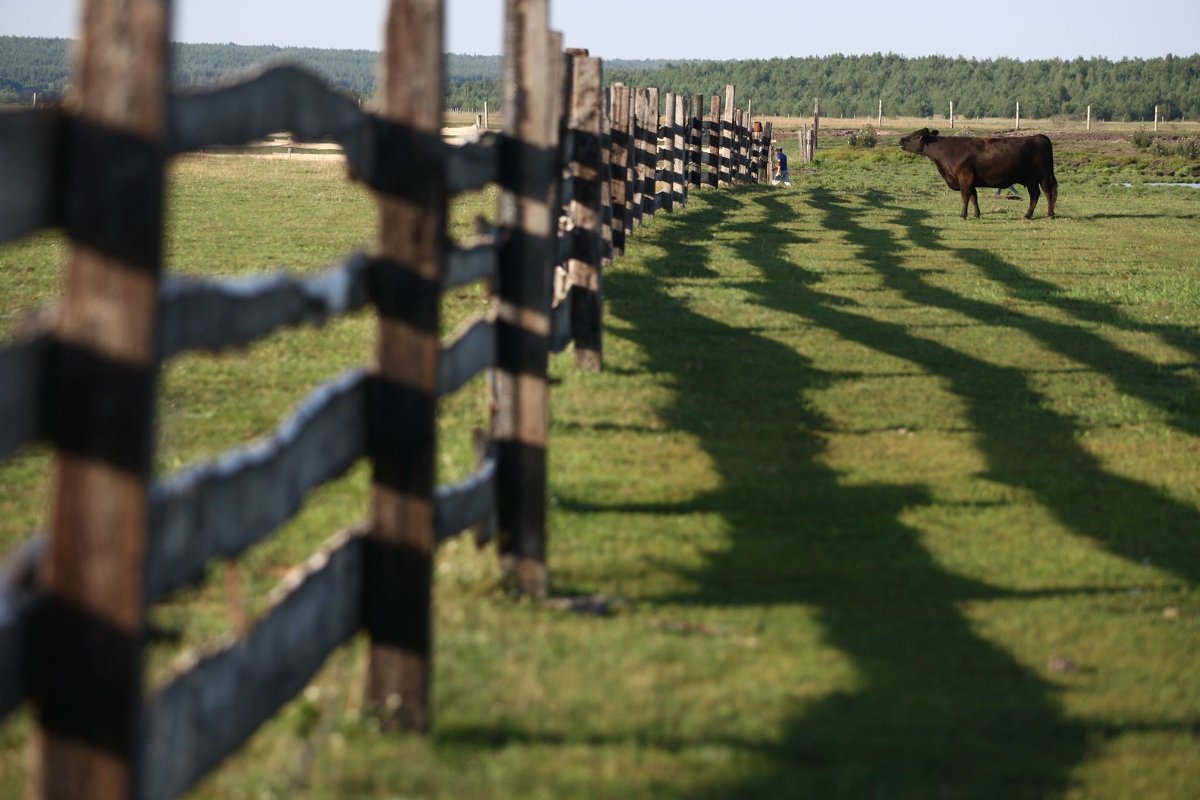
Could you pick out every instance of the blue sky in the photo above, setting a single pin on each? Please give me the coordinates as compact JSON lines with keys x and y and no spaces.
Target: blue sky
{"x":1109,"y":28}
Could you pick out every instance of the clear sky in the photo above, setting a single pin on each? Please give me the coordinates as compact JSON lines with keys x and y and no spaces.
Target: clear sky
{"x":718,"y":29}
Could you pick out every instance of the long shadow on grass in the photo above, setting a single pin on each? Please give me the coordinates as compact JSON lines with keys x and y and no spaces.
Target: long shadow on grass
{"x":1027,"y":444}
{"x":1156,"y":384}
{"x":937,"y":711}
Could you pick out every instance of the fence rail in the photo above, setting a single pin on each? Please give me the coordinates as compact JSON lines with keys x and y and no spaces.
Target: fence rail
{"x":607,"y":162}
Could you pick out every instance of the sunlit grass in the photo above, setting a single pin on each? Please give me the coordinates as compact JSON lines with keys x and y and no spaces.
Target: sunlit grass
{"x":883,"y":502}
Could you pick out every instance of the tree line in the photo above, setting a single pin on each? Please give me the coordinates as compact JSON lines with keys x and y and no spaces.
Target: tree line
{"x":848,"y":86}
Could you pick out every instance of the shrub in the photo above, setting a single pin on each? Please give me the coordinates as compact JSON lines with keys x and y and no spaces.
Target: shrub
{"x":864,"y":138}
{"x":1190,"y":149}
{"x":1141,"y":138}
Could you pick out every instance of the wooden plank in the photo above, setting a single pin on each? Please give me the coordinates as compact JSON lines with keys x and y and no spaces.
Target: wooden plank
{"x":29,"y":143}
{"x":473,"y":165}
{"x":470,"y":351}
{"x":218,"y":699}
{"x":460,"y":505}
{"x":473,"y":262}
{"x":198,"y":313}
{"x":262,"y":101}
{"x":222,"y":507}
{"x":584,"y":211}
{"x":19,"y":600}
{"x":23,"y":367}
{"x":397,"y":593}
{"x":694,"y":139}
{"x":88,"y":652}
{"x":520,"y":424}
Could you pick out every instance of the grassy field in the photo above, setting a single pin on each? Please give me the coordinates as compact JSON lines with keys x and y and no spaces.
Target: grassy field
{"x":880,"y":503}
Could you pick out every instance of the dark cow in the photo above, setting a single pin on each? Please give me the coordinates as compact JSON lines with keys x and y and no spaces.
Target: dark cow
{"x":967,"y":162}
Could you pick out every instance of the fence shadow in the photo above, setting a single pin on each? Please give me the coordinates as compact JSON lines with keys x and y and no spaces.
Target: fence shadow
{"x":938,"y":711}
{"x":1026,"y":444}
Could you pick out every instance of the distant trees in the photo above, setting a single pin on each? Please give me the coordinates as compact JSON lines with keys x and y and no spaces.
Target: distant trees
{"x":847,"y":85}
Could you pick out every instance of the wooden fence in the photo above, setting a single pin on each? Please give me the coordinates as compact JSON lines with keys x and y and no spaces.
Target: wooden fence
{"x":73,"y":602}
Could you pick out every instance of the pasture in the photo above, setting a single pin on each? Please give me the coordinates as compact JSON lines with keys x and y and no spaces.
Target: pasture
{"x":870,"y":501}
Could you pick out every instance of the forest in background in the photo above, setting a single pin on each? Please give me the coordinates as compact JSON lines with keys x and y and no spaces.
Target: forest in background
{"x":848,"y":86}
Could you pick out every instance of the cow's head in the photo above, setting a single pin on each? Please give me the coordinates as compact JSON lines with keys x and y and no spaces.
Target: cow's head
{"x":915,"y":142}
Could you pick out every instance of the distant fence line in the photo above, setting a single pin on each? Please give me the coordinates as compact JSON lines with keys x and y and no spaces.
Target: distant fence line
{"x":73,"y":603}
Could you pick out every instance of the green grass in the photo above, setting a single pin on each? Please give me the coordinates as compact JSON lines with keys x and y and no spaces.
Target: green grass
{"x":887,"y":503}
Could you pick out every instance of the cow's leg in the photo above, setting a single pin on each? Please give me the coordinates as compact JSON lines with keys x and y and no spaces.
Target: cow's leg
{"x":1051,"y":187}
{"x":975,"y":200}
{"x":966,"y":198}
{"x":1034,"y":194}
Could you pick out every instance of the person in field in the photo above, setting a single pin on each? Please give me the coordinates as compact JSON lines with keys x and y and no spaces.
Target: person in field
{"x":782,"y":176}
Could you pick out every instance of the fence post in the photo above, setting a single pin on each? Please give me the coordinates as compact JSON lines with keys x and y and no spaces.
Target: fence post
{"x":606,"y":180}
{"x":1156,"y":119}
{"x":768,"y":148}
{"x":86,"y":668}
{"x":648,"y":152}
{"x":1017,"y":122}
{"x":695,"y":127}
{"x":1089,"y":117}
{"x":951,"y":113}
{"x":529,"y":180}
{"x":399,"y":580}
{"x":714,"y":142}
{"x":816,"y":126}
{"x":637,"y":116}
{"x":643,"y":198}
{"x":727,"y":139}
{"x":584,"y":212}
{"x":666,"y":152}
{"x":619,"y":163}
{"x":678,"y":174}
{"x":879,"y":119}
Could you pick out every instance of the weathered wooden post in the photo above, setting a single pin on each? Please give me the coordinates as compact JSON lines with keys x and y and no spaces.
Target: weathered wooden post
{"x":1089,"y":117}
{"x":399,"y":580}
{"x":1017,"y":121}
{"x":86,"y":669}
{"x":1156,"y":119}
{"x":584,"y":211}
{"x":695,"y":133}
{"x":528,"y":181}
{"x":679,"y":172}
{"x":633,"y":209}
{"x":951,"y":113}
{"x":606,"y":181}
{"x":713,"y":123}
{"x":638,"y":155}
{"x":727,"y":136}
{"x":879,"y":119}
{"x":648,"y":151}
{"x":816,"y":126}
{"x":666,"y":151}
{"x":619,"y":163}
{"x":768,"y":143}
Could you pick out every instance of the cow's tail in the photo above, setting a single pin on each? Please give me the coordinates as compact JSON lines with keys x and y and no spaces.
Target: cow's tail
{"x":1051,"y":187}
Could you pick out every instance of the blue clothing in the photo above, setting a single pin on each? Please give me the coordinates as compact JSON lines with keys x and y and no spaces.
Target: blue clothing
{"x":782,"y":162}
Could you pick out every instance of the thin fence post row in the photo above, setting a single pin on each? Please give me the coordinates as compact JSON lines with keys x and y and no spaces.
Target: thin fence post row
{"x":637,"y":161}
{"x":648,"y":152}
